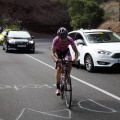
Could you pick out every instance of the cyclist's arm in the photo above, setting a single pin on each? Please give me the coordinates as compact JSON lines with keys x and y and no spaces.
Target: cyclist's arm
{"x":76,"y":53}
{"x":53,"y":54}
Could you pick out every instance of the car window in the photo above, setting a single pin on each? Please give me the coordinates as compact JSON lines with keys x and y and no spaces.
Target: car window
{"x":72,"y":35}
{"x":19,"y":34}
{"x":78,"y":36}
{"x":115,"y":37}
{"x":102,"y":37}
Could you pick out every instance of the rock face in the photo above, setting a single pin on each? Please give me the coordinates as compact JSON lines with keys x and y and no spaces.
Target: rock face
{"x":112,"y":12}
{"x":111,"y":25}
{"x":46,"y":16}
{"x":37,"y":15}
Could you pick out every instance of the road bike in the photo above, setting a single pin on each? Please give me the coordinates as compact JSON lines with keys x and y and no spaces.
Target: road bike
{"x":65,"y":83}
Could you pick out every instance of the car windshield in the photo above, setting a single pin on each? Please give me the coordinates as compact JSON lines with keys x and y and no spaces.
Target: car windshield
{"x":102,"y":37}
{"x":18,"y":34}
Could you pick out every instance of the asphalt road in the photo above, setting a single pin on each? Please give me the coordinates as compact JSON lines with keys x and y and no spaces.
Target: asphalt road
{"x":27,"y":89}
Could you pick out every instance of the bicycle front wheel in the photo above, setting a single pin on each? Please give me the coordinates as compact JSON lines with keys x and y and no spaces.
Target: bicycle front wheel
{"x":68,"y":91}
{"x":62,"y":90}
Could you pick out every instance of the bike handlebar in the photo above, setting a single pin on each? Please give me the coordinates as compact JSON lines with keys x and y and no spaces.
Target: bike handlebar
{"x":67,"y":61}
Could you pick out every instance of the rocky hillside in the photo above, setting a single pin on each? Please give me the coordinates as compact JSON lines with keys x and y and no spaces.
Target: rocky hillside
{"x":45,"y":16}
{"x":111,"y":8}
{"x":37,"y":15}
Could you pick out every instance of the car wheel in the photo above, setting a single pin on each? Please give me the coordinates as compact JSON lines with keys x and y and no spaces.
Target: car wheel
{"x":1,"y":44}
{"x":3,"y":48}
{"x":33,"y":50}
{"x":6,"y":49}
{"x":89,"y":63}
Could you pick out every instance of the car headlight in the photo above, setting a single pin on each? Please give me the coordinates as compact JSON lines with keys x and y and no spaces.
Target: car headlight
{"x":11,"y":41}
{"x":103,"y":52}
{"x":31,"y":42}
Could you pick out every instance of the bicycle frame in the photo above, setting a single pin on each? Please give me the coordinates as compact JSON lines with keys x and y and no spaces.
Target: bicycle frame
{"x":65,"y":86}
{"x":65,"y":89}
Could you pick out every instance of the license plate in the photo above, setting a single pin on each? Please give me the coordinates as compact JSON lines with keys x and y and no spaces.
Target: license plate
{"x":21,"y":45}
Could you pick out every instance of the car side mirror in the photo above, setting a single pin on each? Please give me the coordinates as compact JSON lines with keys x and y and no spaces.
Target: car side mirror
{"x":32,"y":37}
{"x":79,"y":42}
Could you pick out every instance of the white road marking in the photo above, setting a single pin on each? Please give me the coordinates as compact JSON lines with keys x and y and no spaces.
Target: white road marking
{"x":4,"y":86}
{"x":86,"y":83}
{"x":108,"y":110}
{"x":19,"y":87}
{"x":52,"y":113}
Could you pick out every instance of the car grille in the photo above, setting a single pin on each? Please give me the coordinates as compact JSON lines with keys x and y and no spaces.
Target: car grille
{"x":21,"y":43}
{"x":117,"y":55}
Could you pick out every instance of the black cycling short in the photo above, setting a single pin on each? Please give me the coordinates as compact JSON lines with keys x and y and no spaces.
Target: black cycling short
{"x":63,"y":54}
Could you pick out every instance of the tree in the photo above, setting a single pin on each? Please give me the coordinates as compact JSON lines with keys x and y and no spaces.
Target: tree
{"x":84,"y":13}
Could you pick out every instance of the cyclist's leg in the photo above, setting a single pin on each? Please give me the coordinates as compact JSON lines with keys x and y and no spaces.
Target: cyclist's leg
{"x":58,"y":73}
{"x":58,"y":76}
{"x":68,"y":57}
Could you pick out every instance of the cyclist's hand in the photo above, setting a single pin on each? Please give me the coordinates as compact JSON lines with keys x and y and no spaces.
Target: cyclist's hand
{"x":59,"y":60}
{"x":75,"y":60}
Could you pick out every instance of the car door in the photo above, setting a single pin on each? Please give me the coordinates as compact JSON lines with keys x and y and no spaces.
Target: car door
{"x":79,"y":41}
{"x":72,"y":35}
{"x":80,"y":44}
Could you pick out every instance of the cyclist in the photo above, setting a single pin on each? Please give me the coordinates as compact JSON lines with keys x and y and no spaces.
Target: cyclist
{"x":60,"y":50}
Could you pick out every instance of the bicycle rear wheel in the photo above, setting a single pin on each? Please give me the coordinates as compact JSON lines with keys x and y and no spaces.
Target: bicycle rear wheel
{"x":68,"y":91}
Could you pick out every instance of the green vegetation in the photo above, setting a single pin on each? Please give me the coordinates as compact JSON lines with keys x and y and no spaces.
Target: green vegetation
{"x":9,"y":23}
{"x":83,"y":13}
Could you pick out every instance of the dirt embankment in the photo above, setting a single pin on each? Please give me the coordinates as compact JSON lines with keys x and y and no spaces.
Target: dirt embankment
{"x":112,"y":14}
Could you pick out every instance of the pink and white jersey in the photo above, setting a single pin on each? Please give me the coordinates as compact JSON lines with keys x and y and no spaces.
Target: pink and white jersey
{"x":60,"y":46}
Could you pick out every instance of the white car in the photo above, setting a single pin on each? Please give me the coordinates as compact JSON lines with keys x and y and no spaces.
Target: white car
{"x":97,"y":48}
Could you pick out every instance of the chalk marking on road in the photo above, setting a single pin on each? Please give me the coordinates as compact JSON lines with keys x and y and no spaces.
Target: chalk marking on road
{"x":86,"y":83}
{"x":110,"y":110}
{"x":19,"y":87}
{"x":52,"y":113}
{"x":4,"y":86}
{"x":45,"y":86}
{"x":16,"y":88}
